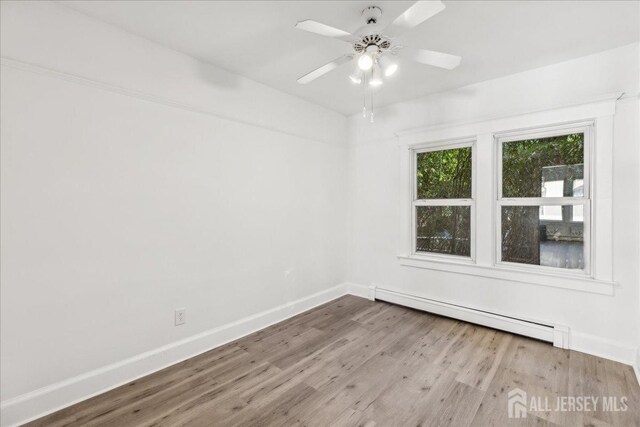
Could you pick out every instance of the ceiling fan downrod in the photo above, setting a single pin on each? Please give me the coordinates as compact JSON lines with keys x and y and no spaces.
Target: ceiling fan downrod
{"x":371,"y":14}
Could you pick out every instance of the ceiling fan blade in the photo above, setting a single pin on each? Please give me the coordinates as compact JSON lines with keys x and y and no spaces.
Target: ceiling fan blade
{"x":324,"y":30}
{"x":414,"y":16}
{"x":430,"y":57}
{"x":319,"y":72}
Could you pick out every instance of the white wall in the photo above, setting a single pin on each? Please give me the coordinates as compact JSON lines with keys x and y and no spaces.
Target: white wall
{"x":61,"y":39}
{"x":605,"y":325}
{"x":136,"y":180}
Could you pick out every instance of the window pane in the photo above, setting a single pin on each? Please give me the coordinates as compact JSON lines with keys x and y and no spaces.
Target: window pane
{"x":551,"y":213}
{"x":527,"y":238}
{"x":552,"y":188}
{"x":444,"y":174}
{"x":443,"y":229}
{"x":577,"y":213}
{"x":578,"y":187}
{"x":535,"y":167}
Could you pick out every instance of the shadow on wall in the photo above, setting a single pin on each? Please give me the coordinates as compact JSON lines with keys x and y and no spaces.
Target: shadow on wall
{"x":220,"y":76}
{"x":437,"y":111}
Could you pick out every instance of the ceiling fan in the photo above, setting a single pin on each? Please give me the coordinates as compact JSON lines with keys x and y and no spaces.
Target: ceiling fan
{"x":374,"y":49}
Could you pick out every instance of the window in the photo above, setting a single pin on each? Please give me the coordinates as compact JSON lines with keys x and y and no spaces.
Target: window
{"x":537,"y":206}
{"x":543,"y":197}
{"x":578,"y":210}
{"x":443,"y":200}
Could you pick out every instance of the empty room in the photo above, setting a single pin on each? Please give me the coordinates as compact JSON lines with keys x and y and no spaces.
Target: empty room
{"x":319,"y":213}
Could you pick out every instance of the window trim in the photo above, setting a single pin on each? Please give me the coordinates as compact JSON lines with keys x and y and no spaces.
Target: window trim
{"x":601,"y":111}
{"x":415,"y":202}
{"x":499,"y":138}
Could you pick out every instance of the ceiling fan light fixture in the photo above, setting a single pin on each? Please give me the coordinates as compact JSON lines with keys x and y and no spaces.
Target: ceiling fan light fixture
{"x":356,"y":76}
{"x":365,"y":62}
{"x":375,"y":81}
{"x":391,"y":70}
{"x":376,"y":76}
{"x":389,"y":67}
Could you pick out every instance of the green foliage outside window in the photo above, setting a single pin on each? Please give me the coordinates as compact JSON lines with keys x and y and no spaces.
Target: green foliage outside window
{"x":524,"y":162}
{"x":444,"y":174}
{"x":444,"y":229}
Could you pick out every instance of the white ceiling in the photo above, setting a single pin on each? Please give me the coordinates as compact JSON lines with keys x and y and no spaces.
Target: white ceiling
{"x":258,"y":39}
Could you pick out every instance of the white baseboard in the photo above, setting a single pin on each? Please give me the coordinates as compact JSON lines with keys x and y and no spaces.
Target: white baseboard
{"x":636,"y":366}
{"x":541,"y":331}
{"x":360,"y":290}
{"x":35,"y":404}
{"x":603,"y":347}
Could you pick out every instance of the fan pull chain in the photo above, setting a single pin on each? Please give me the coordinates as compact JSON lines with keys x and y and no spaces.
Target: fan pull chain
{"x":371,"y":113}
{"x":364,"y":105}
{"x":364,"y":96}
{"x":366,"y":78}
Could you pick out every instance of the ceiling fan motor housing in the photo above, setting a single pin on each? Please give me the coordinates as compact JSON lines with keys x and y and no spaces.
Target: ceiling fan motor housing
{"x":371,"y":35}
{"x":366,"y":41}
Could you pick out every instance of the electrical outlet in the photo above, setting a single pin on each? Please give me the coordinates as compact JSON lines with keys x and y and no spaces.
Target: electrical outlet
{"x":181,"y":316}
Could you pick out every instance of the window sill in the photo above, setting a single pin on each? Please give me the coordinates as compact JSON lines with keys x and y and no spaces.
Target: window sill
{"x":542,"y":278}
{"x":446,"y":258}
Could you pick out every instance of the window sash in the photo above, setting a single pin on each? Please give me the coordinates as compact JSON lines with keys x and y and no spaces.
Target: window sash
{"x":543,"y":201}
{"x":585,"y":128}
{"x":441,"y":146}
{"x":414,"y":236}
{"x":443,"y":202}
{"x":543,"y":268}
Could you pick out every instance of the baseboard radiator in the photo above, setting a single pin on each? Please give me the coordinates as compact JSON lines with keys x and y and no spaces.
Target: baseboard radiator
{"x":556,"y":334}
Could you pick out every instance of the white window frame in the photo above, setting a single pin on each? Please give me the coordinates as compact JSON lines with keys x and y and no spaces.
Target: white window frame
{"x":585,"y":128}
{"x":442,"y":146}
{"x":599,"y":278}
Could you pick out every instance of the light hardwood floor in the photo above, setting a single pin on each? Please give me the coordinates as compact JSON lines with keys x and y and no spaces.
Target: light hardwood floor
{"x":353,"y":362}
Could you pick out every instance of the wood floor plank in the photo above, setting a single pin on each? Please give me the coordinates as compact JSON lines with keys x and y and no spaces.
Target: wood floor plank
{"x":387,"y":320}
{"x":410,"y":398}
{"x":172,"y":402}
{"x":144,"y":387}
{"x":466,"y":342}
{"x":354,"y":362}
{"x":479,"y":369}
{"x":351,"y":359}
{"x":619,"y":379}
{"x":357,"y":390}
{"x":457,"y":408}
{"x":533,"y":366}
{"x":435,"y":342}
